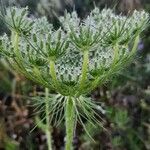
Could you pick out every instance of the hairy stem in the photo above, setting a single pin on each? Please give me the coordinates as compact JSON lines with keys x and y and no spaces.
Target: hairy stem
{"x":84,"y":68}
{"x":48,"y":127}
{"x":70,"y":123}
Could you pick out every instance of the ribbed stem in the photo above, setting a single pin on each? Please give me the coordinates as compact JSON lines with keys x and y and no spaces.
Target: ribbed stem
{"x":48,"y":127}
{"x":70,"y":123}
{"x":84,"y":68}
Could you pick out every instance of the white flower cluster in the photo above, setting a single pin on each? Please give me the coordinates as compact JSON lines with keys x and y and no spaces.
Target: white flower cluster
{"x":110,"y":28}
{"x":42,"y":26}
{"x":6,"y":46}
{"x":17,"y":19}
{"x":106,"y":36}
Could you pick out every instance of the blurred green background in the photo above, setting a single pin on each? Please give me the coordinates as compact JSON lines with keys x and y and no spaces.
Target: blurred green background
{"x":126,"y":99}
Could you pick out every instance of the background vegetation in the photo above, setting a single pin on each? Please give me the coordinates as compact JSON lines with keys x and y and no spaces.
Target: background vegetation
{"x":126,"y":100}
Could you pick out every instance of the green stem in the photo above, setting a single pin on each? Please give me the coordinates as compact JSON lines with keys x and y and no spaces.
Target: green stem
{"x":116,"y":53}
{"x":38,"y":75}
{"x":135,"y":45}
{"x":48,"y":127}
{"x":70,"y":123}
{"x":84,"y":68}
{"x":16,"y":45}
{"x":53,"y":73}
{"x":19,"y":60}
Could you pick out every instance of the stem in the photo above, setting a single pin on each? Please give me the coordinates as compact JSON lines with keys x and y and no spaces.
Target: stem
{"x":53,"y":73}
{"x":16,"y":45}
{"x":70,"y":123}
{"x":84,"y":68}
{"x":135,"y":45}
{"x":48,"y":133}
{"x":19,"y":60}
{"x":15,"y":40}
{"x":116,"y":53}
{"x":38,"y":75}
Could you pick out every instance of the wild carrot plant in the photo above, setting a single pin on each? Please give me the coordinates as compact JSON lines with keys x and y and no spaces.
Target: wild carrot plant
{"x":72,"y":60}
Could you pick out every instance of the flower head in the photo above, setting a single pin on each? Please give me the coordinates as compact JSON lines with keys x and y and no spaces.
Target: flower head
{"x":17,"y":19}
{"x":78,"y":56}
